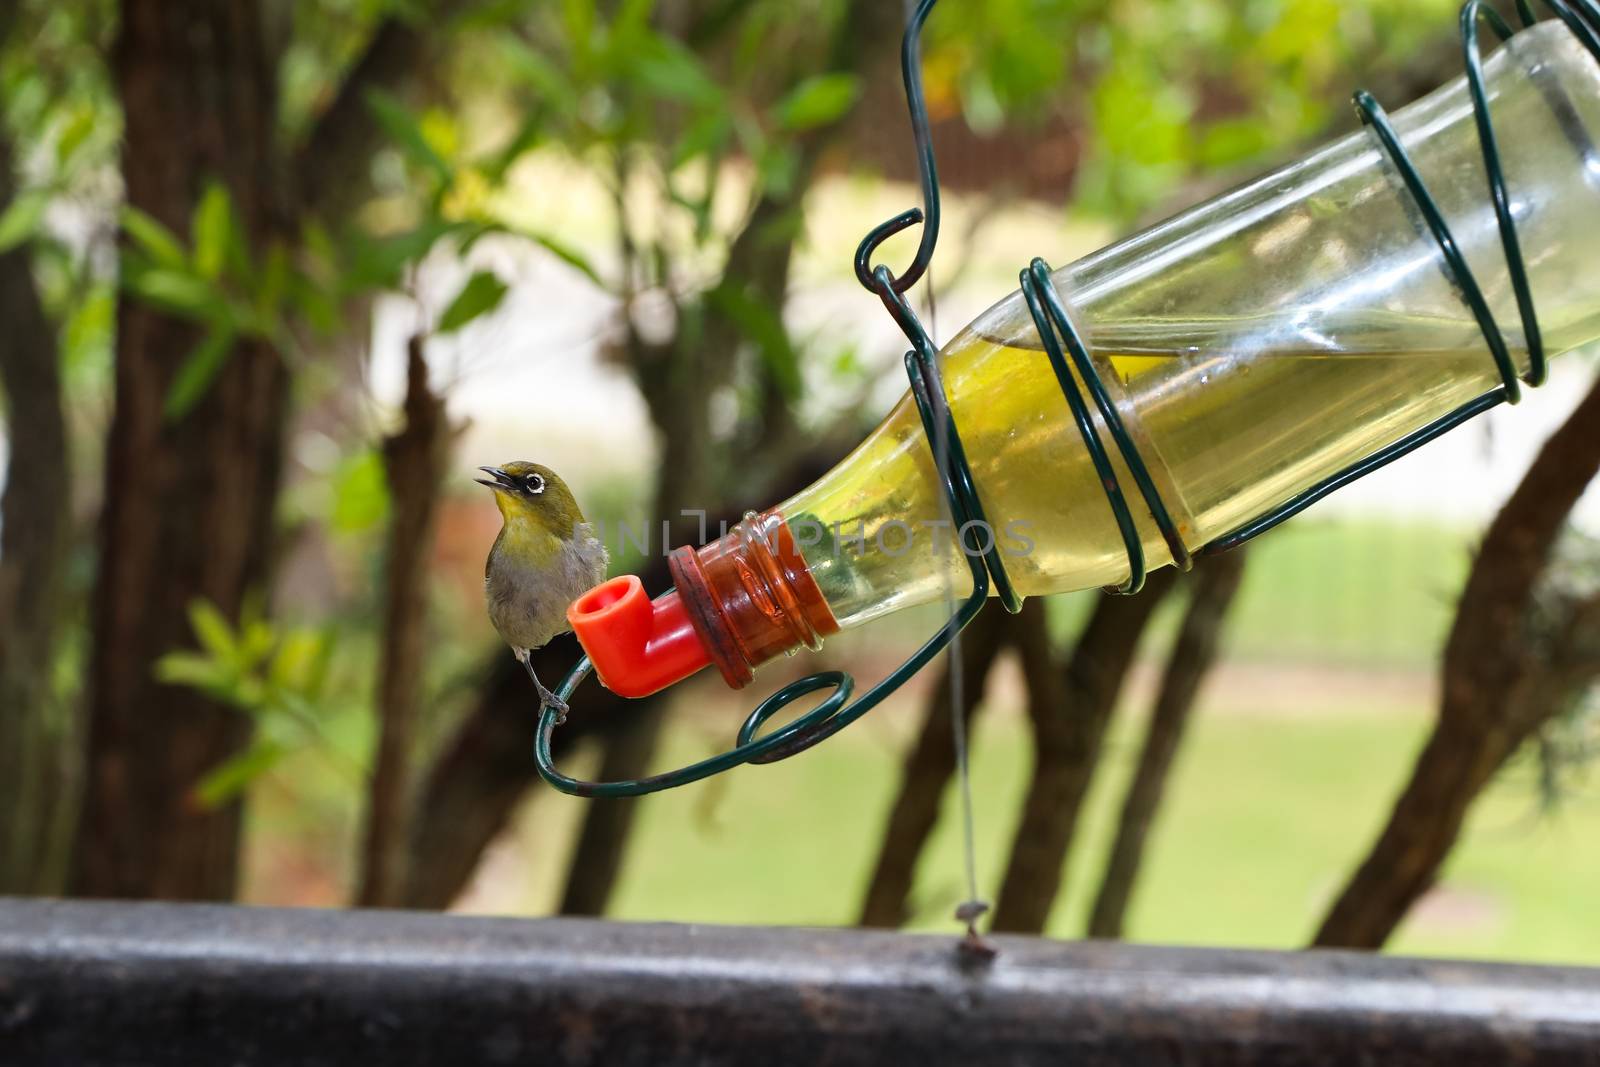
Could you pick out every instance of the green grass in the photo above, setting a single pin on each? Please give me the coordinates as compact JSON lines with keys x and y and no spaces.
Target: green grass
{"x":1358,"y":593}
{"x":1350,"y":593}
{"x":1265,"y":817}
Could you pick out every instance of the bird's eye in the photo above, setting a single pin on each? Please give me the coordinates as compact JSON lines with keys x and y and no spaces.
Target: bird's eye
{"x":534,"y":483}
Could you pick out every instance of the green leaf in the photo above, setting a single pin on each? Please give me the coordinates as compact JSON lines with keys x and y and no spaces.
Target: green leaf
{"x":670,"y":70}
{"x":212,"y":630}
{"x":319,"y":243}
{"x":274,"y":282}
{"x":706,"y":135}
{"x":378,"y":263}
{"x":777,"y":169}
{"x":633,"y":16}
{"x":441,"y":133}
{"x":470,"y":233}
{"x":87,"y":332}
{"x":699,"y":207}
{"x":212,"y":231}
{"x":543,"y":77}
{"x":1229,"y":142}
{"x":360,"y":494}
{"x":257,"y":639}
{"x":818,"y":101}
{"x":577,"y":19}
{"x":784,"y":228}
{"x":528,"y":137}
{"x":763,"y":326}
{"x":316,"y":304}
{"x":568,"y":255}
{"x":295,"y":717}
{"x":234,"y":775}
{"x":194,"y":670}
{"x":404,"y":131}
{"x":21,"y":218}
{"x":981,"y":106}
{"x":176,"y":291}
{"x":74,"y":133}
{"x":481,"y":295}
{"x":199,"y":371}
{"x":154,"y":240}
{"x":300,"y":662}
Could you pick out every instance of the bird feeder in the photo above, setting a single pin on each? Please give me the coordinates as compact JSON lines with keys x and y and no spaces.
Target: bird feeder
{"x":1168,"y":397}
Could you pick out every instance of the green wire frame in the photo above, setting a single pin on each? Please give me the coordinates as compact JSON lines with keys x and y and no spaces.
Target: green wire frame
{"x":1062,"y":344}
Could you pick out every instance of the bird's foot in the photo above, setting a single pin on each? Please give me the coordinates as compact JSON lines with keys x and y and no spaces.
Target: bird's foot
{"x":548,"y":699}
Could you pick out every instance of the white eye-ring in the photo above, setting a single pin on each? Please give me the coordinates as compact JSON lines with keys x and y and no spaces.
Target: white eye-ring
{"x":535,"y":484}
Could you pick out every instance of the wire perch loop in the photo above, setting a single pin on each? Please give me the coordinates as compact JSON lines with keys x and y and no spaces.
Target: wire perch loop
{"x":1076,"y":372}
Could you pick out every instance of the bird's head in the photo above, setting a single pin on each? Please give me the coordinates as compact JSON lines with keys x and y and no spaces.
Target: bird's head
{"x":531,"y":493}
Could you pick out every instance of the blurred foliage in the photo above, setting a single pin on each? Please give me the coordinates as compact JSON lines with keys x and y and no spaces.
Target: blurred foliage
{"x":278,"y":676}
{"x":317,"y":41}
{"x":63,"y":129}
{"x":218,"y":282}
{"x":702,"y":105}
{"x":690,"y":131}
{"x":1166,"y":89}
{"x":358,"y":501}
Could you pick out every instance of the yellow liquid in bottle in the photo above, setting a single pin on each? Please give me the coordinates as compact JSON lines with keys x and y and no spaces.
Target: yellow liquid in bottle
{"x":1226,"y":437}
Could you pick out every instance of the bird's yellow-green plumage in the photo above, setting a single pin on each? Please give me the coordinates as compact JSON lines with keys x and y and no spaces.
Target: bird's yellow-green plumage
{"x":546,"y":556}
{"x":536,"y":525}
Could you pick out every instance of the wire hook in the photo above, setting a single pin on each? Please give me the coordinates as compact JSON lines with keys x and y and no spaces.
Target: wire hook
{"x":928,"y":214}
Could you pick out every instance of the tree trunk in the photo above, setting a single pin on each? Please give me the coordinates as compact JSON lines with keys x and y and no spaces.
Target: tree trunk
{"x":1487,"y":663}
{"x":928,"y":768}
{"x":1069,"y":724}
{"x":37,"y":733}
{"x":1193,"y":654}
{"x":188,"y":502}
{"x":414,"y":461}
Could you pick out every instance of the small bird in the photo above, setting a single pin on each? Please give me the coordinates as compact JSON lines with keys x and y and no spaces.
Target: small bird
{"x":547,"y":555}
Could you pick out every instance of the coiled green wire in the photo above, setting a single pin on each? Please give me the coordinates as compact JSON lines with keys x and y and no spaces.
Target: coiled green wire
{"x":1062,"y":344}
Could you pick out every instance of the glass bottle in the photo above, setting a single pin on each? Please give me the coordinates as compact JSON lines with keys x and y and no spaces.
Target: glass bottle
{"x":1253,"y":345}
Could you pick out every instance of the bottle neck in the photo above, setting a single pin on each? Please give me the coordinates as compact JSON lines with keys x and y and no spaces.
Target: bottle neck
{"x":750,"y":596}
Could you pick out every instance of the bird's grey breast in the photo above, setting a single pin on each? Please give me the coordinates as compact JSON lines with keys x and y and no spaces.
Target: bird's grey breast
{"x":528,"y":605}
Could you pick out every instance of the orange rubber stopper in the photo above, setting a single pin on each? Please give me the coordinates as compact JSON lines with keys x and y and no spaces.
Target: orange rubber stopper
{"x":638,"y":646}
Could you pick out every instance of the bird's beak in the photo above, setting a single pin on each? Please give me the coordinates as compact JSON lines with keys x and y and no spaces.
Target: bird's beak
{"x":502,"y":480}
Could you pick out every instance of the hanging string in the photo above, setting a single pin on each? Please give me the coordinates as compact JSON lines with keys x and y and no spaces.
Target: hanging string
{"x":974,"y":906}
{"x":970,"y":909}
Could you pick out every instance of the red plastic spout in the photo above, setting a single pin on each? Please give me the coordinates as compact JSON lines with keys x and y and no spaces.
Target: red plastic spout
{"x":638,"y":646}
{"x":737,"y":602}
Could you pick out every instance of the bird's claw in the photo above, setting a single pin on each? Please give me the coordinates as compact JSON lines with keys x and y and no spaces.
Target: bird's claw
{"x":549,"y":700}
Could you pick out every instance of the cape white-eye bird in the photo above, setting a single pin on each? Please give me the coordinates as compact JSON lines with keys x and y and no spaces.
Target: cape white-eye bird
{"x":547,"y":555}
